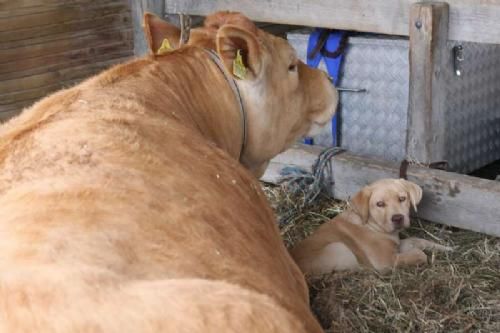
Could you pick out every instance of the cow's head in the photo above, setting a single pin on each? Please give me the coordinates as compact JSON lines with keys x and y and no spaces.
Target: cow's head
{"x":284,"y":99}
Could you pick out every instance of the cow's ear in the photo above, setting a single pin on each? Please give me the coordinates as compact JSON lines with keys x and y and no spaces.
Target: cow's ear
{"x":161,"y":35}
{"x":240,"y":52}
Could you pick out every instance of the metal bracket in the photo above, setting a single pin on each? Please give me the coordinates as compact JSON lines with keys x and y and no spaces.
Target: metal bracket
{"x":458,"y":58}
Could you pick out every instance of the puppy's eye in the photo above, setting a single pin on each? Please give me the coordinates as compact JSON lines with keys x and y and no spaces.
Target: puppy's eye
{"x":292,"y":67}
{"x":402,"y":199}
{"x":380,"y":204}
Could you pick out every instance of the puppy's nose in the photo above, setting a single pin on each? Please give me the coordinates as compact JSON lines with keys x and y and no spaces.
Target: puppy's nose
{"x":398,"y":220}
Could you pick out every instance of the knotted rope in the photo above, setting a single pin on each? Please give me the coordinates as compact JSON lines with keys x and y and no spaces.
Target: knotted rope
{"x":300,"y":182}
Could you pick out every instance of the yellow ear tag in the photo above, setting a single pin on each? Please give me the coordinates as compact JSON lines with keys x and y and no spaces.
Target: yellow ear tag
{"x":165,"y":47}
{"x":239,"y":69}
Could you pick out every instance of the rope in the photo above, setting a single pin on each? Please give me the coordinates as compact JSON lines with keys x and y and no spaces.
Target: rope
{"x":298,"y":181}
{"x":321,"y":46}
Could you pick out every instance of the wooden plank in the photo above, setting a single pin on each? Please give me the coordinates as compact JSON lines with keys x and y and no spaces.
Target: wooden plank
{"x":17,"y":107}
{"x":33,"y":66}
{"x":60,"y":15}
{"x":47,"y":44}
{"x":104,"y":22}
{"x":73,"y":36}
{"x":427,"y":105}
{"x":31,"y":6}
{"x":35,"y":94}
{"x":449,"y":198}
{"x":47,"y":78}
{"x":46,"y":88}
{"x":299,"y":156}
{"x":280,"y":30}
{"x":139,"y":7}
{"x":4,"y":116}
{"x":50,"y":47}
{"x":470,"y":20}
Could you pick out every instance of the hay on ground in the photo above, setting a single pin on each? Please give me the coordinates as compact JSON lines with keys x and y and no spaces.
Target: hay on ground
{"x":455,"y":292}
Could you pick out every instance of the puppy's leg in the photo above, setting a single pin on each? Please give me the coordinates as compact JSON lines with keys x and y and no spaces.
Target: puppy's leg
{"x":412,"y":256}
{"x":421,"y":244}
{"x":411,"y":251}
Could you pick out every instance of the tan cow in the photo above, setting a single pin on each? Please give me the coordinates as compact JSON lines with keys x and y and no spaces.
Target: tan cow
{"x":123,"y":205}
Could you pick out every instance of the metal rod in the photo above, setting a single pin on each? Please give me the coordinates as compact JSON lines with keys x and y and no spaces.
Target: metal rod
{"x":351,"y":89}
{"x":185,"y":23}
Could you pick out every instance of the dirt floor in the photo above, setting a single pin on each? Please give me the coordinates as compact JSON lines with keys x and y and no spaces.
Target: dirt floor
{"x":455,"y":292}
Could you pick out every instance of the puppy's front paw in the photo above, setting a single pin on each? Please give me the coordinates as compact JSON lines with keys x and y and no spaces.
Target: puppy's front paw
{"x":445,"y":248}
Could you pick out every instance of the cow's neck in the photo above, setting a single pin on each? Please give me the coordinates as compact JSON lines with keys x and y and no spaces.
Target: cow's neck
{"x":197,"y":92}
{"x":237,"y":94}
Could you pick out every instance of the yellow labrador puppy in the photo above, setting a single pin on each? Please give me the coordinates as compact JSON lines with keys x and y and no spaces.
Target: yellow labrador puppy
{"x":367,"y":234}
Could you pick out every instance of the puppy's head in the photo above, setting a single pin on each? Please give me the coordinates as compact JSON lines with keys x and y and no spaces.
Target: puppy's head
{"x":385,"y":204}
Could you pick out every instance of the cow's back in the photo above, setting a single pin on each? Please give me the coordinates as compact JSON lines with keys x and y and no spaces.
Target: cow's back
{"x":100,"y":191}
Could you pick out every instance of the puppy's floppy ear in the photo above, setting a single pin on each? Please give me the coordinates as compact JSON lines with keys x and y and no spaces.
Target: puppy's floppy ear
{"x":414,"y":192}
{"x":360,"y":203}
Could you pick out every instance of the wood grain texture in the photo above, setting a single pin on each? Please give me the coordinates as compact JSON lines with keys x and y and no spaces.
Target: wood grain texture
{"x":80,"y":40}
{"x":4,"y":116}
{"x":427,"y":96}
{"x":52,"y":77}
{"x":34,"y":6}
{"x":38,"y":86}
{"x":449,"y":198}
{"x":60,"y":14}
{"x":64,"y":28}
{"x":52,"y":62}
{"x":49,"y":44}
{"x":470,"y":20}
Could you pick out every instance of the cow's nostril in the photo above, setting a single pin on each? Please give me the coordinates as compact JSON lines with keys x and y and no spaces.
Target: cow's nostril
{"x":398,"y":219}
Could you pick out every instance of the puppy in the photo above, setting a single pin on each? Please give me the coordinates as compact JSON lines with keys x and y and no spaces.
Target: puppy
{"x":367,"y":234}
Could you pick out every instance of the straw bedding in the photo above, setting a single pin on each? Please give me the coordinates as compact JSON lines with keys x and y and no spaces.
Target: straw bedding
{"x":455,"y":292}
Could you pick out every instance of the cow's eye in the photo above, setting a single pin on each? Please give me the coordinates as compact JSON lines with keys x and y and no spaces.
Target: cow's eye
{"x":292,"y":68}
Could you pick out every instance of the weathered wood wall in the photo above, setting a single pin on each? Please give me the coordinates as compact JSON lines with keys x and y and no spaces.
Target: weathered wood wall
{"x":470,"y":20}
{"x":49,"y":44}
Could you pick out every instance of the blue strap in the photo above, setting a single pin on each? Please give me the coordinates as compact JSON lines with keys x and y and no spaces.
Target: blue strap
{"x":332,"y":65}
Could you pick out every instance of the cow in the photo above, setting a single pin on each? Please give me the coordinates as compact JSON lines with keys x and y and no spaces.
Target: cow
{"x":131,"y":202}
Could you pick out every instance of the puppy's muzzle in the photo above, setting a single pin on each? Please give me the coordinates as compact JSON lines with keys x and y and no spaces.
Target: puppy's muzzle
{"x":398,"y":220}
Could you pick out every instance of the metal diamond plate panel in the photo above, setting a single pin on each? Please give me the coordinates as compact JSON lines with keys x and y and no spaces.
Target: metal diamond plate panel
{"x":473,"y":109}
{"x":374,"y":123}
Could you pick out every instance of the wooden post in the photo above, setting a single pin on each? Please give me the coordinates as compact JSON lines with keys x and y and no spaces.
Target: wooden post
{"x":428,"y":56}
{"x":138,"y":8}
